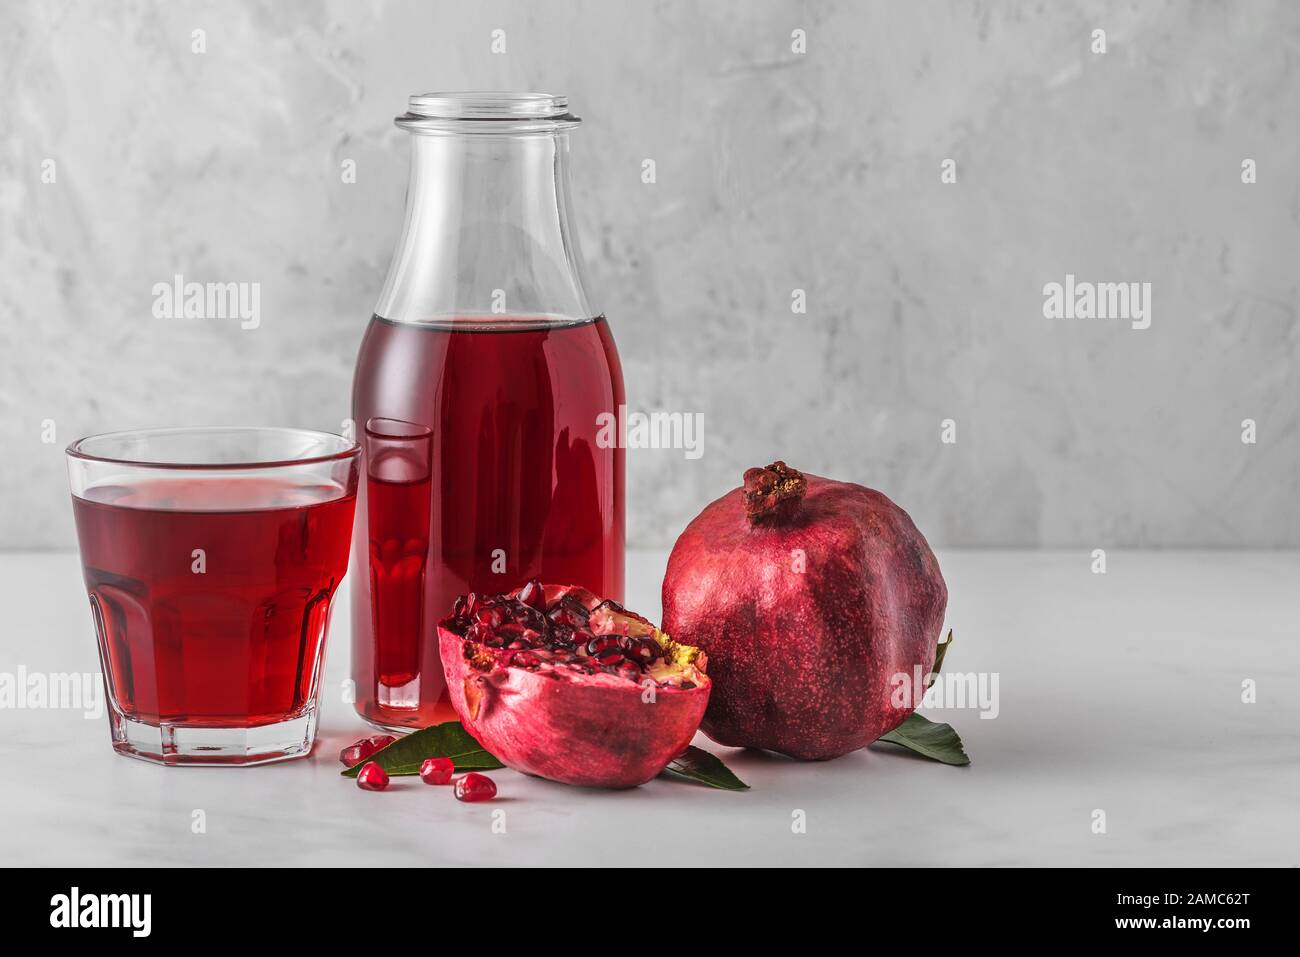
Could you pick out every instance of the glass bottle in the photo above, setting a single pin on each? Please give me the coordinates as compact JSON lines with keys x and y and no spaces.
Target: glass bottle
{"x":484,"y":391}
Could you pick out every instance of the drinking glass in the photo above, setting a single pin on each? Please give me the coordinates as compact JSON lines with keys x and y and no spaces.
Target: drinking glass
{"x":211,"y":556}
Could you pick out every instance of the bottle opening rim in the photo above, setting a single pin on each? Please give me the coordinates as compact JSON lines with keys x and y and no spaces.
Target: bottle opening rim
{"x":488,"y":110}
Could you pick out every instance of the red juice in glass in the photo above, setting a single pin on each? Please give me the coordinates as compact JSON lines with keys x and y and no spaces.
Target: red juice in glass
{"x":514,"y":485}
{"x":237,"y":643}
{"x":210,"y":581}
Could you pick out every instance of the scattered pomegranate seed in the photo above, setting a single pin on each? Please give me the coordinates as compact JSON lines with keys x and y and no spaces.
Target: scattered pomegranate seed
{"x":354,"y":754}
{"x":358,"y":751}
{"x":475,"y":787}
{"x":437,"y":770}
{"x":372,"y":777}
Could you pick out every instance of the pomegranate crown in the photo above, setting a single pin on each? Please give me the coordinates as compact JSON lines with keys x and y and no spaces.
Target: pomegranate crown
{"x":773,"y":493}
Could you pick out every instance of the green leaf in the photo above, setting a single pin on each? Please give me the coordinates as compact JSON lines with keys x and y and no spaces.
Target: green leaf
{"x":696,"y":764}
{"x":933,"y":740}
{"x":938,"y":659}
{"x":447,"y":740}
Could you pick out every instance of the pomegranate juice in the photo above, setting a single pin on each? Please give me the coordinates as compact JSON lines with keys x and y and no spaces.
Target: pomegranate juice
{"x":515,"y":486}
{"x":211,"y":594}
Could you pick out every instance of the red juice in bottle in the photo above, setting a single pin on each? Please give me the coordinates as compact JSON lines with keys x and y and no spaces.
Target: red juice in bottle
{"x":398,"y":561}
{"x":515,"y":484}
{"x":399,"y":503}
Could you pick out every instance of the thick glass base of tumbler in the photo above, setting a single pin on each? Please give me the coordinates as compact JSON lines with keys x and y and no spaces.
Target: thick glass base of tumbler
{"x":177,"y":745}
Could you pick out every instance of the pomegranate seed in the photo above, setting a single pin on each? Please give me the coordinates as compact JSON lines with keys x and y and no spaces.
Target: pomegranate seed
{"x":475,"y":787}
{"x":359,"y":751}
{"x":525,"y":659}
{"x":458,"y":609}
{"x":562,"y":636}
{"x":642,"y":650}
{"x":534,"y":595}
{"x":436,"y":770}
{"x":531,"y":618}
{"x":354,"y":754}
{"x":491,"y":615}
{"x":609,"y":656}
{"x":629,"y":670}
{"x":602,"y":643}
{"x":372,"y":777}
{"x":569,"y":612}
{"x":479,"y":632}
{"x":510,"y":632}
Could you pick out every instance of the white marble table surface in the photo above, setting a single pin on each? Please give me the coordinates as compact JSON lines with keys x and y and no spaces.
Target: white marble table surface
{"x":1119,"y":692}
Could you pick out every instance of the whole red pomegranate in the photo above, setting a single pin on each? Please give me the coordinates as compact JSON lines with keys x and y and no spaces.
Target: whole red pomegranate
{"x":557,"y":683}
{"x":808,"y":595}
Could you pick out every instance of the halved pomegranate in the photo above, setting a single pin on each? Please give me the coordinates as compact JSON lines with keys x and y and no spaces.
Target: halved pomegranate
{"x":558,"y":683}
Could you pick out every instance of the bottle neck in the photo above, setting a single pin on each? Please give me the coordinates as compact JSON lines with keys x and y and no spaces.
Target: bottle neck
{"x":487,"y":232}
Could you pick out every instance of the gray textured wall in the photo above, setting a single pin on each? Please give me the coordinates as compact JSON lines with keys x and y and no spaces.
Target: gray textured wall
{"x":775,"y":171}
